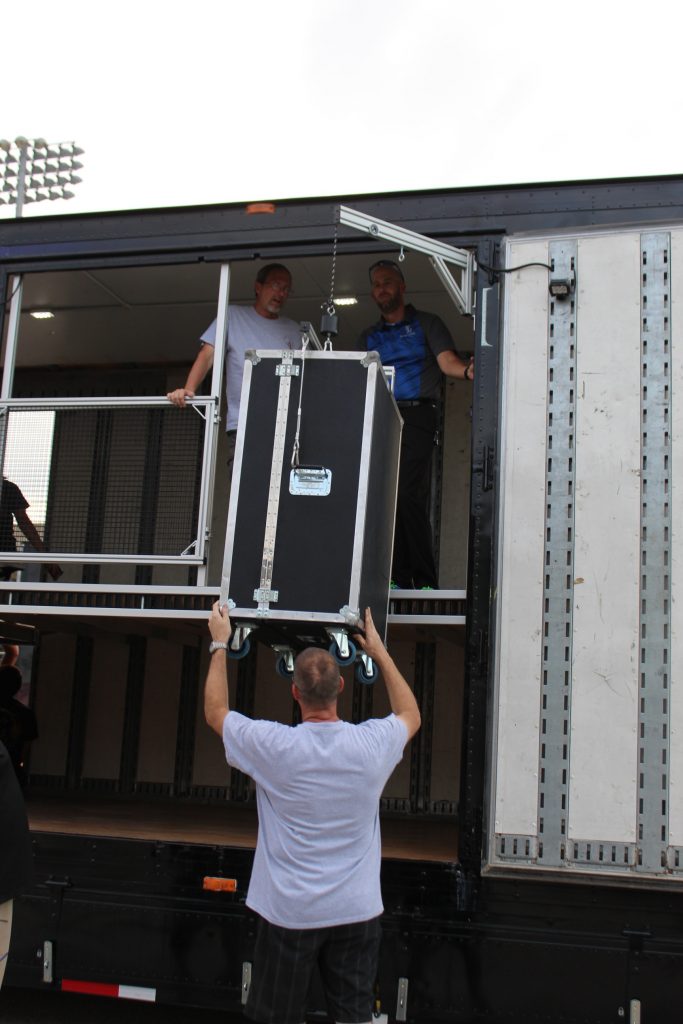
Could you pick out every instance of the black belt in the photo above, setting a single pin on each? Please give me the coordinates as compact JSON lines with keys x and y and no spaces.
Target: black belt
{"x":412,"y":402}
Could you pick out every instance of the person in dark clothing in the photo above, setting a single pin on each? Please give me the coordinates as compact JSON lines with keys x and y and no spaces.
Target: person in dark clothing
{"x":13,"y":506}
{"x":18,"y":727}
{"x":15,"y":851}
{"x":420,"y":348}
{"x":12,"y":503}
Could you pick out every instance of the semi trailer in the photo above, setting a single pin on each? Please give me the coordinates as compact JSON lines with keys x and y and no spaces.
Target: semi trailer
{"x":532,"y":835}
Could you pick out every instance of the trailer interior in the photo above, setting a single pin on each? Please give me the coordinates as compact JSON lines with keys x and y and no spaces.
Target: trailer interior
{"x":114,"y":654}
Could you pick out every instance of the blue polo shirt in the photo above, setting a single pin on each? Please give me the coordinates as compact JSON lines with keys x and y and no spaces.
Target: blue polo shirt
{"x":411,"y":347}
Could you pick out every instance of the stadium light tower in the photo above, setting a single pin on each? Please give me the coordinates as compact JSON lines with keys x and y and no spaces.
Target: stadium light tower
{"x":32,"y":170}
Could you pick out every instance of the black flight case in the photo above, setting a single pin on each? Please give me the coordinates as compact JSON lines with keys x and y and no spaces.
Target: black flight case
{"x":312,"y":504}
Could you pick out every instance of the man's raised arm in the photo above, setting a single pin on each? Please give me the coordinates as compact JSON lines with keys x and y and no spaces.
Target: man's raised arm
{"x":401,"y":697}
{"x":216,"y":705}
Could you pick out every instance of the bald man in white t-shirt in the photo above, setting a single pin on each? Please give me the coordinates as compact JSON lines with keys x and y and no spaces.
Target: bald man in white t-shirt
{"x":315,"y":882}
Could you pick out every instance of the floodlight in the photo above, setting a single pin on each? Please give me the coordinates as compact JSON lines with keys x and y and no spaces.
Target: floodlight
{"x":32,"y":170}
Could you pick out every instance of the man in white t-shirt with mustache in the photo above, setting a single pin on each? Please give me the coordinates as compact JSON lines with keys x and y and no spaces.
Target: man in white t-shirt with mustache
{"x":249,"y":327}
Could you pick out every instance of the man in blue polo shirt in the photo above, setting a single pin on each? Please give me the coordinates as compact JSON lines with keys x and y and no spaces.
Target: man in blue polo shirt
{"x":420,"y":348}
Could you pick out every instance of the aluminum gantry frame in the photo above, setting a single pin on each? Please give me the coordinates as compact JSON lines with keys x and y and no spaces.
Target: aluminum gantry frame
{"x":440,"y":253}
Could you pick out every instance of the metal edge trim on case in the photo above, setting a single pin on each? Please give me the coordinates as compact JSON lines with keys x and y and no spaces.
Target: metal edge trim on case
{"x":346,"y":355}
{"x":287,"y":615}
{"x":369,"y":358}
{"x":363,"y":480}
{"x":264,"y":593}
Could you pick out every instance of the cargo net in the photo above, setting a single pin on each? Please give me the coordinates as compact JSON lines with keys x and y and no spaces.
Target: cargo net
{"x":92,"y":480}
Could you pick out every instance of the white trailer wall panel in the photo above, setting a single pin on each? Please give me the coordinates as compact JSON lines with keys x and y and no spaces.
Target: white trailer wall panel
{"x":603,"y":755}
{"x":521,"y":592}
{"x":585,"y":774}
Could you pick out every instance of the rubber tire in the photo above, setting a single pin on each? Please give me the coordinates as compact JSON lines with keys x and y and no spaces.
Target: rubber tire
{"x":242,"y":652}
{"x":343,"y":662}
{"x":281,"y":668}
{"x":362,"y":676}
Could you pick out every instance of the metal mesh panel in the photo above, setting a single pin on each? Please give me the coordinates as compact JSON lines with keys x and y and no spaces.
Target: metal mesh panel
{"x":114,"y":481}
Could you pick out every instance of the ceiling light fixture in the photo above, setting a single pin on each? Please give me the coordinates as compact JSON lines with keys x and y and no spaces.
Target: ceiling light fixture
{"x":41,"y":314}
{"x":346,"y":300}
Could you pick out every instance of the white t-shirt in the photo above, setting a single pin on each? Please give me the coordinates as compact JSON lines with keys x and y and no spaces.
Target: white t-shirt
{"x":247,"y":329}
{"x":318,"y":786}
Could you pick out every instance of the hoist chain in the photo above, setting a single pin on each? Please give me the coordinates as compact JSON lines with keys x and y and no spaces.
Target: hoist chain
{"x":330,"y":306}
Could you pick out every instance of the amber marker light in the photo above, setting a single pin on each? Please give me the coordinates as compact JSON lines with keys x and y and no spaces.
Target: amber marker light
{"x":213,"y":884}
{"x":260,"y":207}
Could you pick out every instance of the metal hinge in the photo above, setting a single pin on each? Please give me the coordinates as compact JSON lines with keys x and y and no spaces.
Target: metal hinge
{"x":246,"y":981}
{"x":485,"y":467}
{"x":402,"y":1000}
{"x":47,"y":961}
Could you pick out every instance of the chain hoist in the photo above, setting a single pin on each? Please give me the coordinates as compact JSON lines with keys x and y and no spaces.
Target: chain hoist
{"x":329,"y":326}
{"x":329,"y":321}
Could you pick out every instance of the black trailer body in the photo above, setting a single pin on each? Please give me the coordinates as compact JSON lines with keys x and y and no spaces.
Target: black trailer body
{"x":312,"y":507}
{"x":461,"y":942}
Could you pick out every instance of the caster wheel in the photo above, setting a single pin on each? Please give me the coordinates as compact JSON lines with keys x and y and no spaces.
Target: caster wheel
{"x":349,"y":660}
{"x":362,"y":676}
{"x":282,"y":669}
{"x":241,"y":652}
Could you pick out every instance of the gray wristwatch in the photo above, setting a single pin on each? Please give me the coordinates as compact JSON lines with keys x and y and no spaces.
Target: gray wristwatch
{"x":218,"y":645}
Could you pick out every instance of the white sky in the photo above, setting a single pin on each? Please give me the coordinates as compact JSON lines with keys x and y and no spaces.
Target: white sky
{"x":226,"y":100}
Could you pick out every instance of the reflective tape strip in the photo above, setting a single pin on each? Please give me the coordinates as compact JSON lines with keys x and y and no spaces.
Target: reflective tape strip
{"x":135,"y":992}
{"x":98,"y":988}
{"x":90,"y":988}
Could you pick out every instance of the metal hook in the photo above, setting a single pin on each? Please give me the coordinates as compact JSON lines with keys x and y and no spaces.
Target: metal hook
{"x":401,"y":255}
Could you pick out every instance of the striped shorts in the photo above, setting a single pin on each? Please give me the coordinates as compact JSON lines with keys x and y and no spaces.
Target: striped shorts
{"x":284,"y":961}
